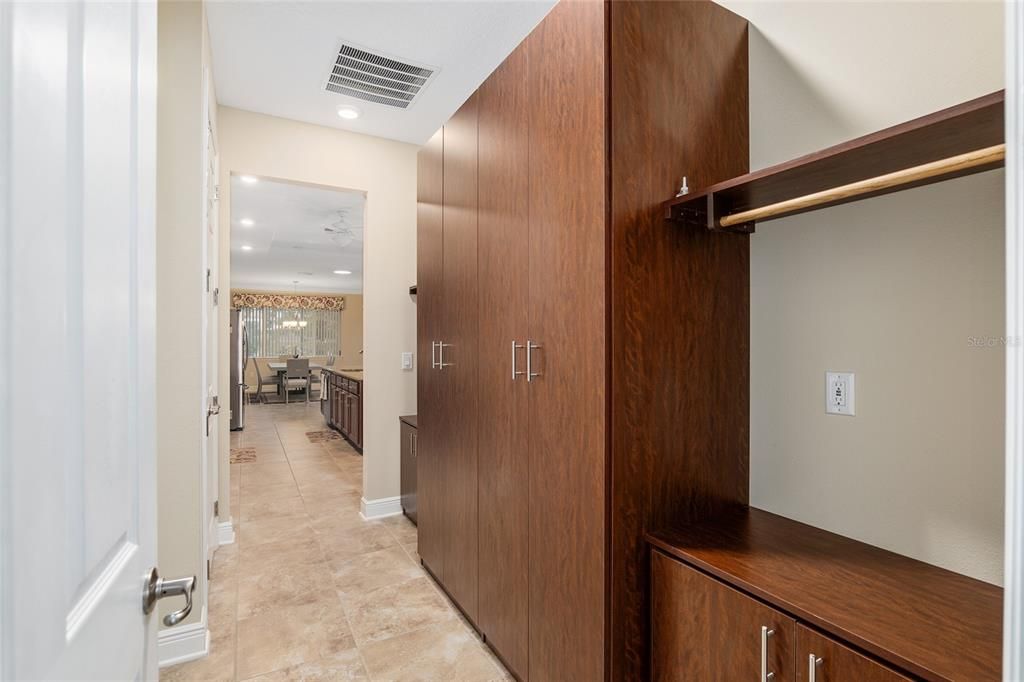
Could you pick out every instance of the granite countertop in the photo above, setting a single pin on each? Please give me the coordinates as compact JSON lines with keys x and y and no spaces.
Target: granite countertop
{"x":356,"y":374}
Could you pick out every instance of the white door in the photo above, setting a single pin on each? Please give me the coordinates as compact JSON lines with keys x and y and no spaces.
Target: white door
{"x":77,"y":347}
{"x":210,"y":400}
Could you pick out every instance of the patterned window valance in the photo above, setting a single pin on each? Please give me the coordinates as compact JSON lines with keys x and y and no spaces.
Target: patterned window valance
{"x":289,"y":301}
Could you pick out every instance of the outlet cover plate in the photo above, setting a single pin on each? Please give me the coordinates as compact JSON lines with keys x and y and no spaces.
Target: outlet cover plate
{"x":839,"y":393}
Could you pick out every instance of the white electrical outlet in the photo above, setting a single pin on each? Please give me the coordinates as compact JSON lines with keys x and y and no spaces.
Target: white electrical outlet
{"x":839,"y":394}
{"x":406,"y":360}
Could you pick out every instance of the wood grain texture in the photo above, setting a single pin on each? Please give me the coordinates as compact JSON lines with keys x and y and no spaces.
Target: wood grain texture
{"x":679,"y":361}
{"x":705,"y":631}
{"x":504,"y":263}
{"x":962,"y":128}
{"x":567,"y":289}
{"x":930,"y":622}
{"x":836,"y":662}
{"x":460,"y":335}
{"x":429,"y":306}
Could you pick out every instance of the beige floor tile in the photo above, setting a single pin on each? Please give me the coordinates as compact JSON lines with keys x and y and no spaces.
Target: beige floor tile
{"x":265,"y":473}
{"x":395,"y":609}
{"x":272,"y":491}
{"x":257,"y":507}
{"x":346,"y":665}
{"x":302,"y":548}
{"x":260,"y":532}
{"x":334,"y":521}
{"x":343,"y":544}
{"x":402,"y":528}
{"x":442,"y":652}
{"x":371,"y":571}
{"x":291,"y":636}
{"x":334,"y":503}
{"x":313,"y":453}
{"x":327,"y":487}
{"x":280,"y":585}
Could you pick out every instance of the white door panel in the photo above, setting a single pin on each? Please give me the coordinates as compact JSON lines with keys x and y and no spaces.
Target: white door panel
{"x":77,"y":120}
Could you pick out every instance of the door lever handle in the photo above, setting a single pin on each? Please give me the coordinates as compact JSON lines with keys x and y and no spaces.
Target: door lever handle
{"x":156,"y":588}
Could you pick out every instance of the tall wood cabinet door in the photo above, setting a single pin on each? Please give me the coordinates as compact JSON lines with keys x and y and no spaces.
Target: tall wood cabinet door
{"x":503,"y":418}
{"x":567,"y":398}
{"x":429,"y":297}
{"x":705,"y":631}
{"x":459,"y":375}
{"x":835,"y":662}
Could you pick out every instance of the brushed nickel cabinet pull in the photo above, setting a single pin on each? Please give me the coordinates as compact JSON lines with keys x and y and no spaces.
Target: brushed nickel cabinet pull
{"x":765,"y":634}
{"x":515,"y":347}
{"x":812,"y":667}
{"x":530,"y":347}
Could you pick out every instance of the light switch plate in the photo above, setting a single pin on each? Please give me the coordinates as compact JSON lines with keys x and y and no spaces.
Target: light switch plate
{"x":406,"y":361}
{"x":839,"y":393}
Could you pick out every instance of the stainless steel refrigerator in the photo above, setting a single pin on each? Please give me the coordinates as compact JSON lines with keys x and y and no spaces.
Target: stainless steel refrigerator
{"x":239,"y":361}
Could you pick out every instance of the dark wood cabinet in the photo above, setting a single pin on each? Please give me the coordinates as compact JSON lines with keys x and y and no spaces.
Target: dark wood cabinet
{"x":343,"y":406}
{"x":407,"y":426}
{"x":542,"y":245}
{"x":503,"y":185}
{"x":430,"y":462}
{"x":833,"y":661}
{"x":705,"y":631}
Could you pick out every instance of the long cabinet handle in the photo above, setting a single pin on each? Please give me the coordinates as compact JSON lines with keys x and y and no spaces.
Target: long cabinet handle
{"x":441,"y":364}
{"x":530,"y":347}
{"x":433,"y":355}
{"x":516,"y":347}
{"x":765,"y":634}
{"x":812,"y":667}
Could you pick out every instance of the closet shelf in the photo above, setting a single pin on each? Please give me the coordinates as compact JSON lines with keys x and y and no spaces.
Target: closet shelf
{"x":933,"y":623}
{"x":961,"y":140}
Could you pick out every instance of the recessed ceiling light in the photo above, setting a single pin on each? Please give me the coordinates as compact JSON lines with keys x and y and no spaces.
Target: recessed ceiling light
{"x":247,"y":222}
{"x":348,"y":112}
{"x":246,"y":248}
{"x":249,"y":179}
{"x":342,"y":272}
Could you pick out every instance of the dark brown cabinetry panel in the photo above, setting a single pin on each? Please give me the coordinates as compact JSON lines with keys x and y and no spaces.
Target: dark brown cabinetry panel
{"x":835,"y":662}
{"x":680,"y":405}
{"x":429,"y":282}
{"x":460,"y":337}
{"x":704,"y":631}
{"x":503,"y":456}
{"x":567,"y":401}
{"x":407,"y":427}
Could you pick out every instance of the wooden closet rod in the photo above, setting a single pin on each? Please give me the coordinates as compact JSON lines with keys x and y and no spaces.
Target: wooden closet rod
{"x":953,"y":164}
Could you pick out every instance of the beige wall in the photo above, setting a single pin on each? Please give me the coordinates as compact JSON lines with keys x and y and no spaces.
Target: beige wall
{"x":182,"y":54}
{"x":278,"y":148}
{"x":892,"y":288}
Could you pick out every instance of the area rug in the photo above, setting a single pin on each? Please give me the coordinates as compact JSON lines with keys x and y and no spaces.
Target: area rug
{"x":322,"y":436}
{"x":243,"y":455}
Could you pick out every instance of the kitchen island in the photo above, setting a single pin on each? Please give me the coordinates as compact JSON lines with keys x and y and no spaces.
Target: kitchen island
{"x":342,"y":403}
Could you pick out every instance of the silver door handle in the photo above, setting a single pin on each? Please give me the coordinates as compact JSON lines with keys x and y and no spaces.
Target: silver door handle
{"x":156,"y":588}
{"x":433,"y":353}
{"x":812,"y":667}
{"x":530,"y":347}
{"x":765,"y":634}
{"x":515,"y":347}
{"x":441,"y":364}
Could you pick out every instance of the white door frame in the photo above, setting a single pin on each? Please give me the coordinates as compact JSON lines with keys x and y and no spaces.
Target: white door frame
{"x":1013,"y":596}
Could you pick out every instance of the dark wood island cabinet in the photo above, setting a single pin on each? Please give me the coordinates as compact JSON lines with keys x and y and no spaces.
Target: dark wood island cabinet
{"x":342,"y":404}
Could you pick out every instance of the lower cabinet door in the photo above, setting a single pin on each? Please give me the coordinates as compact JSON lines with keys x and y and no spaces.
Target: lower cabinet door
{"x":704,"y":630}
{"x":822,"y":659}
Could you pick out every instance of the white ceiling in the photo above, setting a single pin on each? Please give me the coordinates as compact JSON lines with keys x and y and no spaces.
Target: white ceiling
{"x":273,"y":57}
{"x":288,"y":239}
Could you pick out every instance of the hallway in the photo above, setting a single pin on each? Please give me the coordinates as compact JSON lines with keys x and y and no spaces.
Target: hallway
{"x":310,"y":590}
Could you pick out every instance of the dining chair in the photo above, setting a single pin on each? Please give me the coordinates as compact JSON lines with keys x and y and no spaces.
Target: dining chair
{"x":274,"y":381}
{"x":296,"y":376}
{"x":330,"y":360}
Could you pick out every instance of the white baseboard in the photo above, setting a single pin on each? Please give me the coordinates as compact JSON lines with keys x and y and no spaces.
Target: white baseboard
{"x":381,"y":507}
{"x":182,"y":643}
{"x":226,"y":532}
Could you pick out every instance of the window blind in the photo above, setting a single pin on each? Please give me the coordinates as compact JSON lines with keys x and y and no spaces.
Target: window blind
{"x":269,"y":336}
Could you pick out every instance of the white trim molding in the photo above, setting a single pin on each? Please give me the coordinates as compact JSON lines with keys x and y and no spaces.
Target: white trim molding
{"x":226,"y":532}
{"x":381,"y":507}
{"x":183,"y":643}
{"x":1013,"y":579}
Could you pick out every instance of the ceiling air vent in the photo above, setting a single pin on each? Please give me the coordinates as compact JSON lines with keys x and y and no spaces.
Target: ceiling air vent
{"x":377,"y":78}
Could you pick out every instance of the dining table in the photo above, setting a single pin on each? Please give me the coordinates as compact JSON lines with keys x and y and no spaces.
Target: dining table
{"x":280,"y":368}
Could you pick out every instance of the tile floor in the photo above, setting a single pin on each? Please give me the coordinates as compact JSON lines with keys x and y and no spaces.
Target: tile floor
{"x":310,"y":591}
